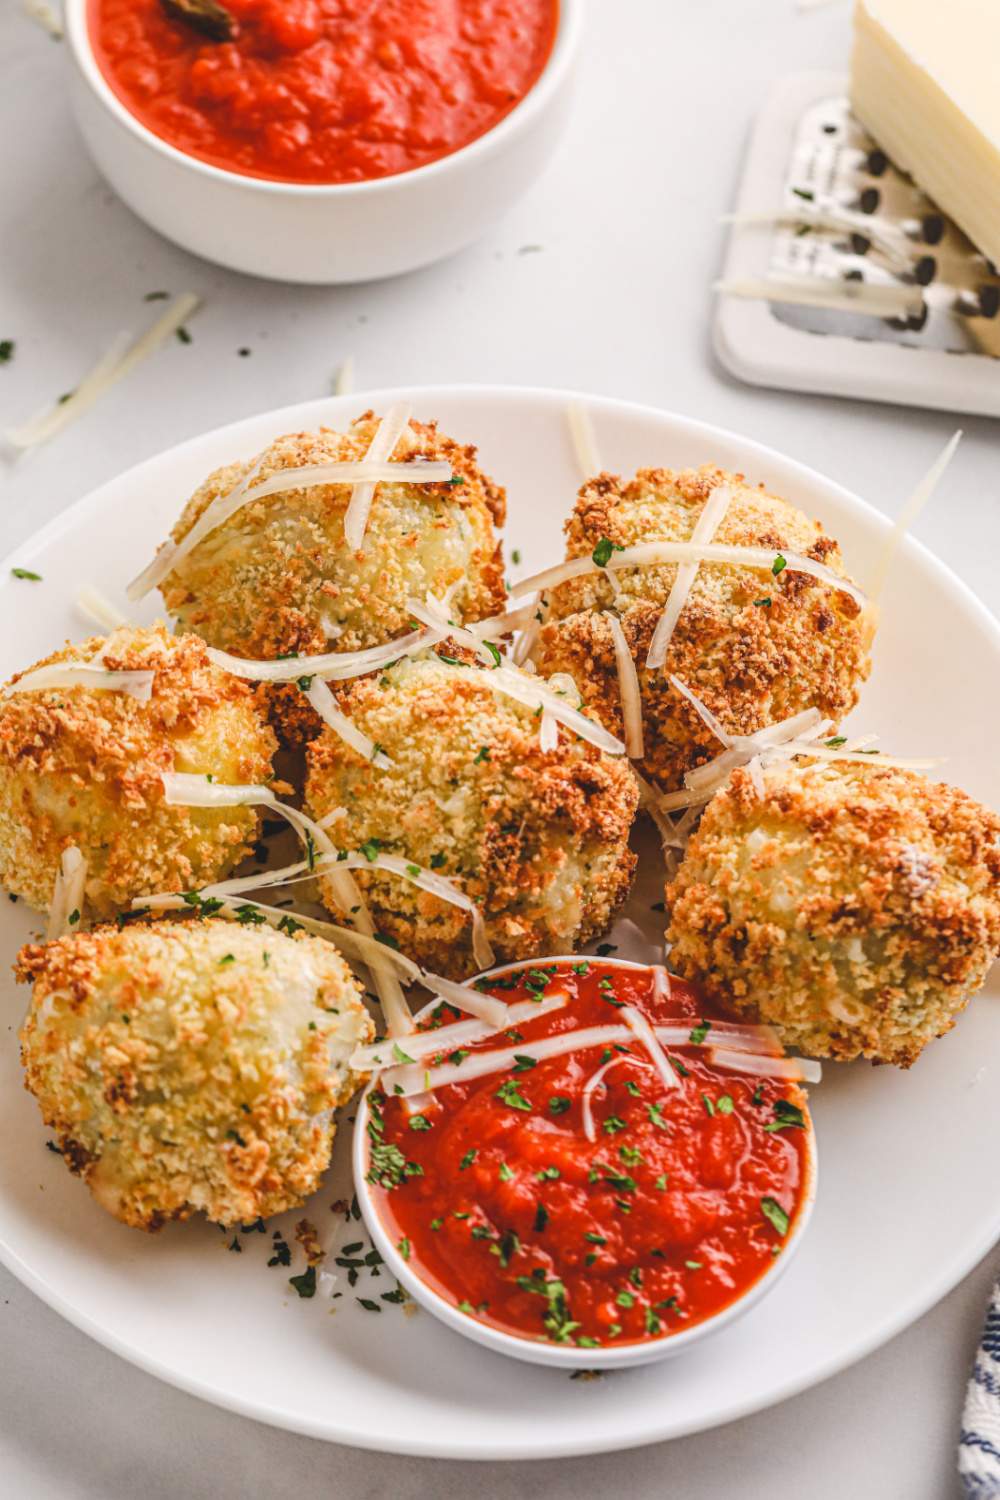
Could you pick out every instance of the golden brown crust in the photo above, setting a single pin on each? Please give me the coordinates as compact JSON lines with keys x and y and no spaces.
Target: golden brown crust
{"x":84,"y":767}
{"x":277,"y":575}
{"x":752,"y":663}
{"x":856,"y":908}
{"x":191,"y":1067}
{"x":539,"y":841}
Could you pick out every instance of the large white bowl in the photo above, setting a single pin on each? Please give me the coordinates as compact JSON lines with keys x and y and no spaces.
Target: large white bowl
{"x":338,"y":232}
{"x":564,"y":1356}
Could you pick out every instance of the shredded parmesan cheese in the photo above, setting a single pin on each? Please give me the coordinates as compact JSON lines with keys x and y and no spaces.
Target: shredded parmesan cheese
{"x":891,"y":300}
{"x":98,"y":610}
{"x":41,"y":12}
{"x":581,"y":431}
{"x":705,"y":528}
{"x":831,"y":215}
{"x":322,"y":700}
{"x":332,"y":666}
{"x":67,"y":894}
{"x":548,"y":733}
{"x":593,"y":1083}
{"x":909,"y":513}
{"x":120,"y":360}
{"x":343,"y":385}
{"x":460,"y":1034}
{"x":744,"y":1051}
{"x":651,"y":554}
{"x":628,"y":689}
{"x":74,"y":674}
{"x":387,"y":435}
{"x":636,"y":1021}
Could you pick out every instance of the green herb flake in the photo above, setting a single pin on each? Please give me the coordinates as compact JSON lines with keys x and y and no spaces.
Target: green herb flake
{"x":509,"y":1094}
{"x":698,"y":1033}
{"x":602,"y":552}
{"x":779,"y":565}
{"x":467,"y":1159}
{"x":26,"y":574}
{"x":419,"y":1122}
{"x":787,"y":1116}
{"x":725,"y":1104}
{"x":775,"y":1215}
{"x":559,"y":1104}
{"x":505,"y":1174}
{"x":305,"y":1284}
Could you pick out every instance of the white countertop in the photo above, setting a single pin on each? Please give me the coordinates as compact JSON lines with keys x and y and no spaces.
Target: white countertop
{"x":612,"y":297}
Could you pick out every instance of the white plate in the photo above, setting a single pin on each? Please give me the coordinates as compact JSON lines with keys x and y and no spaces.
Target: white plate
{"x":905,"y":1207}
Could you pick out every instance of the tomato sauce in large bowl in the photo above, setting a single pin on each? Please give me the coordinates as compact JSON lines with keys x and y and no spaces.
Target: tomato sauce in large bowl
{"x":321,"y":91}
{"x":500,"y":1200}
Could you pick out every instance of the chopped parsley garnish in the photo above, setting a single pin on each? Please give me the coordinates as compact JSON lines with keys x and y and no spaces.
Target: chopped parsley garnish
{"x":779,"y":565}
{"x":547,"y":1174}
{"x":603,"y":949}
{"x":419,"y":1122}
{"x":483,"y":753}
{"x":27,"y":574}
{"x":661,"y":1183}
{"x":725,"y":1104}
{"x":631,"y":1087}
{"x":764,"y":603}
{"x":227,"y":958}
{"x":613,"y":1124}
{"x":557,"y":1321}
{"x":602,"y":552}
{"x":400,"y":1055}
{"x":594,"y":1239}
{"x":436,"y":1223}
{"x":467,"y":1159}
{"x":653,"y":1324}
{"x":522,"y":1062}
{"x":508,"y":1093}
{"x":699,"y":1033}
{"x":7,"y":347}
{"x":282,"y":1253}
{"x":459,"y":1055}
{"x":787,"y":1116}
{"x":806,"y":193}
{"x":305,"y":1284}
{"x":835,"y":741}
{"x":709,"y":1106}
{"x":494,"y":652}
{"x":368,"y":1304}
{"x":630,"y":1155}
{"x":656,"y":1117}
{"x":370,"y":849}
{"x":206,"y":906}
{"x":505,"y":1174}
{"x":413,"y":871}
{"x":625,"y":1299}
{"x":437,"y":861}
{"x":389,"y":1166}
{"x":185,"y":338}
{"x":541,"y":1217}
{"x":775,"y":1215}
{"x":559,"y":1104}
{"x":290,"y":926}
{"x":515,"y":556}
{"x":693,"y":1265}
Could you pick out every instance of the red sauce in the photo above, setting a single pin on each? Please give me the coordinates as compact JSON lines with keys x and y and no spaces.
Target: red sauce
{"x":678,"y":1207}
{"x":324,"y":91}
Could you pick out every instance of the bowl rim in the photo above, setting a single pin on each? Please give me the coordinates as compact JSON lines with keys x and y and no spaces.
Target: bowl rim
{"x":569,"y":27}
{"x":534,"y":1351}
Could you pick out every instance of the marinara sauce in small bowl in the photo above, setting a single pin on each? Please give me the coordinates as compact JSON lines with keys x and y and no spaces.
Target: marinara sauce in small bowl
{"x":310,"y":140}
{"x":614,"y":1173}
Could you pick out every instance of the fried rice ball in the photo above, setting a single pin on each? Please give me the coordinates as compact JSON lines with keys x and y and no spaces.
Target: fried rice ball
{"x":81,"y":766}
{"x":278,"y":578}
{"x":192,"y":1067}
{"x":539,"y":840}
{"x":755,"y":648}
{"x":854,"y":907}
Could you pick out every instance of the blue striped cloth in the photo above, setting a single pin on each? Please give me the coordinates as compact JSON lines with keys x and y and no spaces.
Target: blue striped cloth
{"x":979,"y":1443}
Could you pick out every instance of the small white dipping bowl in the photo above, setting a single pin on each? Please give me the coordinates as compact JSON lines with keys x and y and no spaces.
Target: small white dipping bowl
{"x":339,"y":232}
{"x":563,"y":1356}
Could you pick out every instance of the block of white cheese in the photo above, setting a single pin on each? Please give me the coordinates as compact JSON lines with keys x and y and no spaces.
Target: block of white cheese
{"x":925,"y":83}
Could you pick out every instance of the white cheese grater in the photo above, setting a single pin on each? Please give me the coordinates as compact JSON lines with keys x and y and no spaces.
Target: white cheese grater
{"x":808,"y":156}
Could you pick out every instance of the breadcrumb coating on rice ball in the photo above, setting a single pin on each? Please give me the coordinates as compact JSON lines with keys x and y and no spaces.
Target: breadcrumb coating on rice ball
{"x":855,"y":908}
{"x":192,"y":1067}
{"x":278,"y":577}
{"x":539,"y":840}
{"x":81,"y":766}
{"x":754,"y":647}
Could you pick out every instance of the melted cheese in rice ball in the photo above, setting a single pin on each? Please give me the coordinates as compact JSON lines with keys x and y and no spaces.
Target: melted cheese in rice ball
{"x":81,"y":766}
{"x":278,"y":577}
{"x":755,"y":648}
{"x":539,"y":840}
{"x":854,"y":908}
{"x":192,"y":1067}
